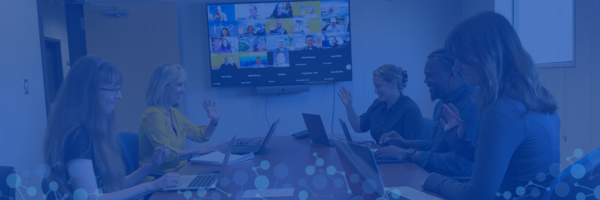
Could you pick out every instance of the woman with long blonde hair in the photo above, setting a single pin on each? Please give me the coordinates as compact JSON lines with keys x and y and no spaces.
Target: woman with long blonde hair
{"x":79,"y":137}
{"x":163,"y":125}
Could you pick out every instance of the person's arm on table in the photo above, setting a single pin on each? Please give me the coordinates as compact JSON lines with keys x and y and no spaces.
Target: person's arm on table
{"x":412,"y":126}
{"x":393,"y":138}
{"x":87,"y":182}
{"x":448,"y":163}
{"x":160,"y":154}
{"x":501,"y":134}
{"x":451,"y":163}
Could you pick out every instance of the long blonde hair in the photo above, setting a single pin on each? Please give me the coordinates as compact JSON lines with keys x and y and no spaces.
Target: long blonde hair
{"x":78,"y":110}
{"x":161,"y":77}
{"x":488,"y":41}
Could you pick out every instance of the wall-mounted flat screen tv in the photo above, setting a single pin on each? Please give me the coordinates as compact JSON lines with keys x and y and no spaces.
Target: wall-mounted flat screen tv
{"x":279,"y":43}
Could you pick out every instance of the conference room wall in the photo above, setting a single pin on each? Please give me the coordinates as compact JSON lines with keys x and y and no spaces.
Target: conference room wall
{"x":468,"y":8}
{"x":397,"y":32}
{"x":55,"y":26}
{"x":576,"y":88}
{"x":22,"y":116}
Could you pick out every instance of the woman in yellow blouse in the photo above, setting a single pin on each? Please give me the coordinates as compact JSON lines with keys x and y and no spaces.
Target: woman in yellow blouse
{"x":163,"y":125}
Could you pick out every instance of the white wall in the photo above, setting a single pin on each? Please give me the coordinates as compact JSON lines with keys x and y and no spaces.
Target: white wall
{"x":397,"y":32}
{"x":55,"y":26}
{"x":576,"y":89}
{"x":22,"y":117}
{"x":468,"y":8}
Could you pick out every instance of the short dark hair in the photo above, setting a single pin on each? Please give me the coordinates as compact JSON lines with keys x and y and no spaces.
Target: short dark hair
{"x":445,"y":56}
{"x":308,"y":36}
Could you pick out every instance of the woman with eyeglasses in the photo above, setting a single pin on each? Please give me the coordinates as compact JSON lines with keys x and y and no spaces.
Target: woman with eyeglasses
{"x":80,"y":138}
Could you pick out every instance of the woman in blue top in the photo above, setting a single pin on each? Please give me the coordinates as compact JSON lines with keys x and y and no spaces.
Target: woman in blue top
{"x":518,"y":133}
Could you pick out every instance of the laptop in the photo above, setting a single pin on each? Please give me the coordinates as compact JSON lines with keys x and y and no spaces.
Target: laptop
{"x":204,"y":181}
{"x":358,"y":159}
{"x":255,"y":148}
{"x":347,"y":134}
{"x":316,"y":130}
{"x":345,"y":129}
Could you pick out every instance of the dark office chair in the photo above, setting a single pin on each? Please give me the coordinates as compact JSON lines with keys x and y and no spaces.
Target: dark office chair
{"x":129,"y":143}
{"x":427,"y":128}
{"x":585,"y":181}
{"x":5,"y":191}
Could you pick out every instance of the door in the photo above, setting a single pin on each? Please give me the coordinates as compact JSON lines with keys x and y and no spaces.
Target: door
{"x":53,"y":70}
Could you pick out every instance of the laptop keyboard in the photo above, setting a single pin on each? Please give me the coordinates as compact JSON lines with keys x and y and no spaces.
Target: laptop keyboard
{"x":204,"y":181}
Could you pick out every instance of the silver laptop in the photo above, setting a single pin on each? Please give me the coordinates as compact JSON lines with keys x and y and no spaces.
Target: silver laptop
{"x":255,"y":148}
{"x":206,"y":181}
{"x":358,"y":159}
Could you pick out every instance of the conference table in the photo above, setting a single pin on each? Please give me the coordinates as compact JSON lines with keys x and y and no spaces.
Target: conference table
{"x":287,"y":162}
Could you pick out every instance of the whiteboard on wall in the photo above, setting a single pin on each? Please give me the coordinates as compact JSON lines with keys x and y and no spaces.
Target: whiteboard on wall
{"x":546,"y":29}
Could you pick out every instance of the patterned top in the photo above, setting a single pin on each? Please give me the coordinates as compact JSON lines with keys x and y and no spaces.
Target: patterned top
{"x":155,"y":131}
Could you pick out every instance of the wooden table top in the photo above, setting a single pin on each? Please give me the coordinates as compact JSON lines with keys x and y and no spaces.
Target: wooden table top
{"x":285,"y":161}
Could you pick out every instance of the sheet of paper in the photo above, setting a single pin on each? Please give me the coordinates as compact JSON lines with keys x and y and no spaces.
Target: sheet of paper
{"x":216,"y":158}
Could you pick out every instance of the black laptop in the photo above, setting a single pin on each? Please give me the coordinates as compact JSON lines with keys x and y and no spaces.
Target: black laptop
{"x":316,"y":130}
{"x":255,"y":148}
{"x":345,"y":129}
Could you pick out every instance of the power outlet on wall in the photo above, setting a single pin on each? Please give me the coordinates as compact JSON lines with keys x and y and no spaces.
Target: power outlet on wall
{"x":26,"y":86}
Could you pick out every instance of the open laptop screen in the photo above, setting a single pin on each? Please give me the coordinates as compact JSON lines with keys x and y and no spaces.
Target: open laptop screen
{"x":358,"y":160}
{"x":226,"y":158}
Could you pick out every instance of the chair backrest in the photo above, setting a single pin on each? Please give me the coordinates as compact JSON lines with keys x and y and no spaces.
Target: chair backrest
{"x":427,"y":128}
{"x":129,"y":143}
{"x":6,"y":191}
{"x":581,"y":178}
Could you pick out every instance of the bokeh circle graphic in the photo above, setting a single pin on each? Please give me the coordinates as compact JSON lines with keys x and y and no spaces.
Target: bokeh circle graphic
{"x":562,"y":189}
{"x":261,"y":182}
{"x":240,"y":178}
{"x":281,"y":171}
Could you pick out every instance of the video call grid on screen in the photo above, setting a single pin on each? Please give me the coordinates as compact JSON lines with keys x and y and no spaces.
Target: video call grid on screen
{"x":279,"y":43}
